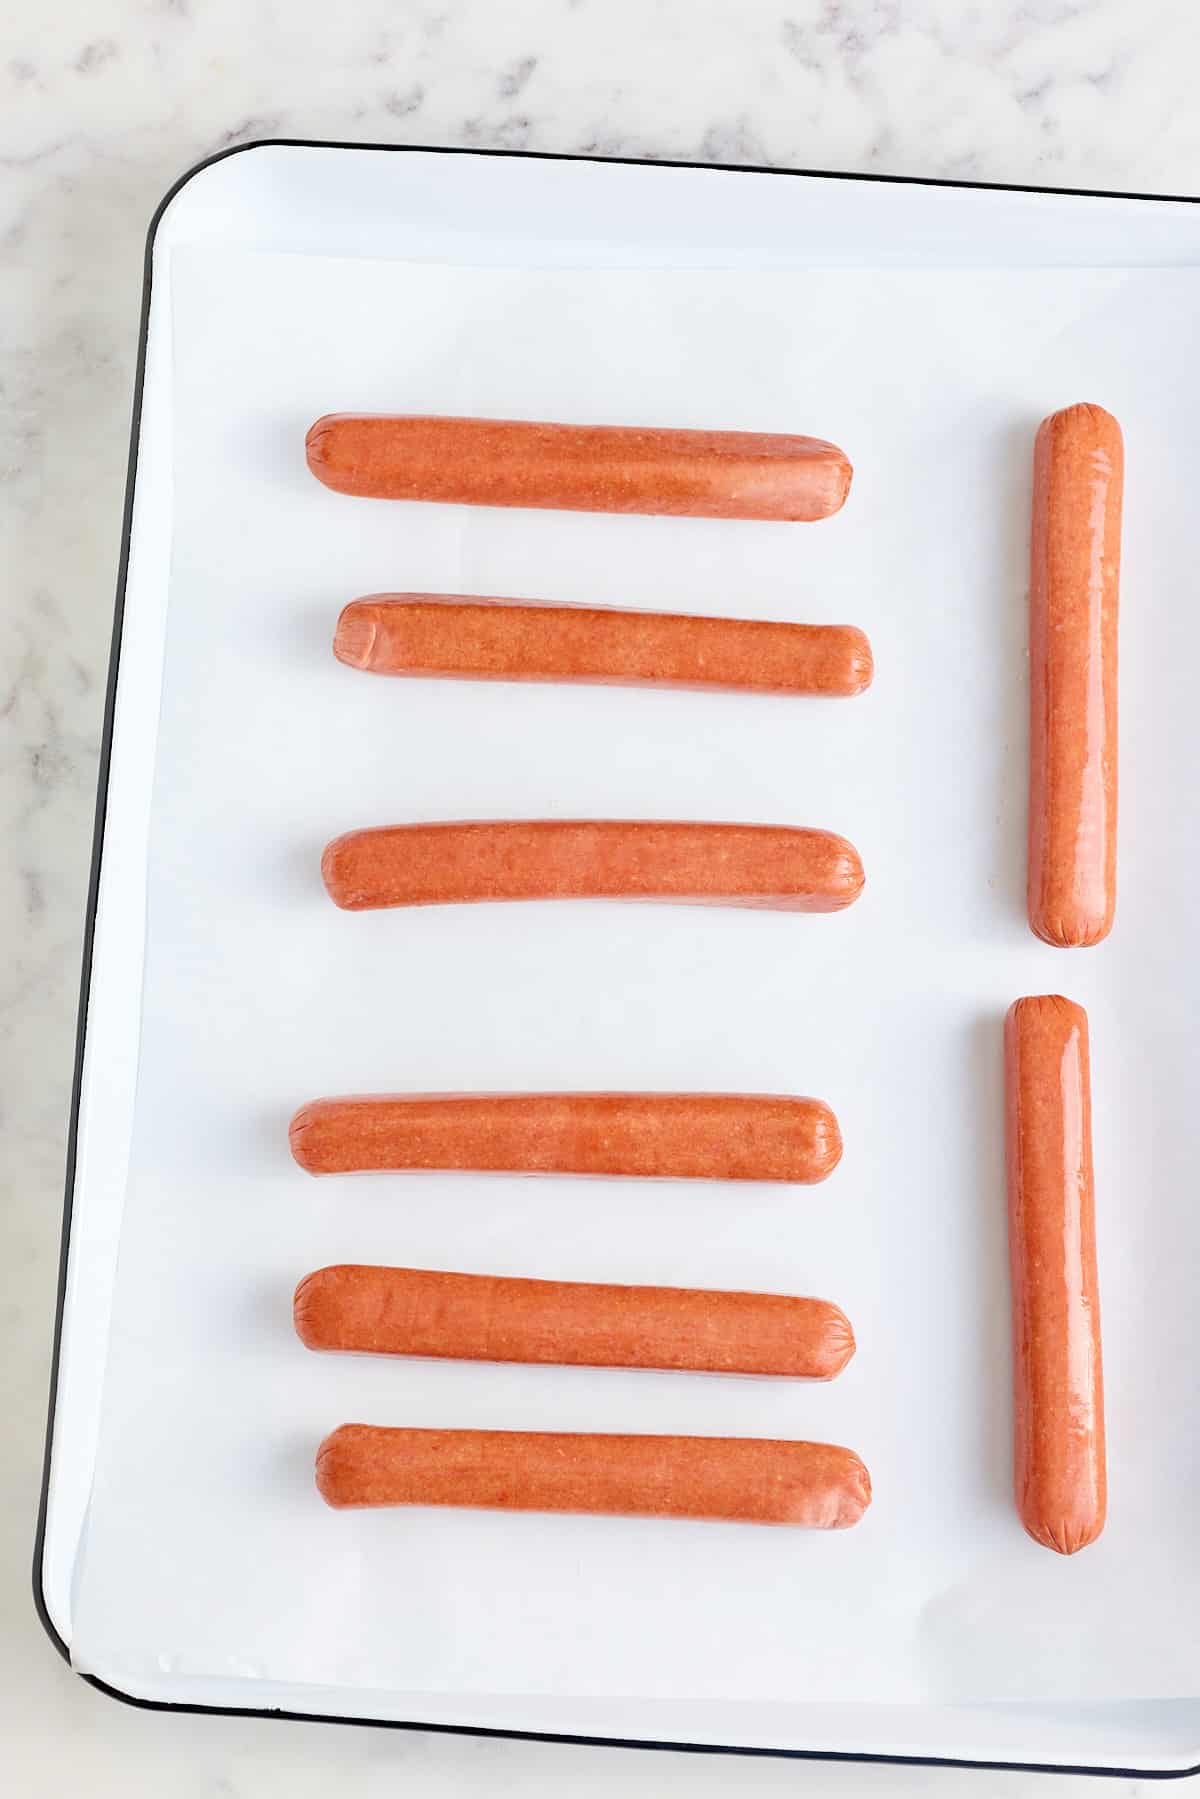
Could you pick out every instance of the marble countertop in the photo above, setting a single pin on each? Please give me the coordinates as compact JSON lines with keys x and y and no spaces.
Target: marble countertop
{"x":104,"y":105}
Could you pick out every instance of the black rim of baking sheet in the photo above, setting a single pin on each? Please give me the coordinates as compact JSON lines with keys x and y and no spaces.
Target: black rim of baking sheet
{"x":465,"y":1730}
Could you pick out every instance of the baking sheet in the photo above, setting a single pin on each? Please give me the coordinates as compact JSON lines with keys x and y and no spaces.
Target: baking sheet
{"x":207,"y":1552}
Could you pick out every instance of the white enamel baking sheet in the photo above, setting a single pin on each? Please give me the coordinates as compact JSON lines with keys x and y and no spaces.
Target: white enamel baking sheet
{"x":926,"y":330}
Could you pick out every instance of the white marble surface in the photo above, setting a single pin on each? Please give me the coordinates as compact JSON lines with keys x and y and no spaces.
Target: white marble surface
{"x":103,"y":105}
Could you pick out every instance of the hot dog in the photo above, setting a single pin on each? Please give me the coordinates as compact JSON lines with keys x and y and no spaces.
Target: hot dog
{"x":1059,"y":1467}
{"x":675,"y":1136}
{"x":451,"y":635}
{"x":752,"y":1480}
{"x":488,"y":1318}
{"x":1078,"y":477}
{"x":775,"y":867}
{"x":582,"y":468}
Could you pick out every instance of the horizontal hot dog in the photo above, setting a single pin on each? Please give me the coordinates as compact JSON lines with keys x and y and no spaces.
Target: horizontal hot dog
{"x":490,"y":1318}
{"x":776,"y":867}
{"x":1059,"y":1464}
{"x":581,"y":468}
{"x":667,"y":1136}
{"x":751,"y":1480}
{"x":454,"y":636}
{"x":1078,"y":477}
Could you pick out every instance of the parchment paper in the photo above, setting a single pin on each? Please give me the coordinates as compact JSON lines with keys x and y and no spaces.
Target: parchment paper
{"x":208,"y":1551}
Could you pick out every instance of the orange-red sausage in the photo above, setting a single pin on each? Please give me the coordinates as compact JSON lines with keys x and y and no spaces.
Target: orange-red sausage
{"x":491,"y":1318}
{"x":667,"y":1136}
{"x":454,"y":636}
{"x":751,"y":1480}
{"x":583,"y":468}
{"x":1059,"y":1466}
{"x":1078,"y":478}
{"x":775,"y":867}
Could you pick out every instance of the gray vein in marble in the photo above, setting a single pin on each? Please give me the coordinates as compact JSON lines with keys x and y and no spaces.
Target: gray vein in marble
{"x":93,"y":56}
{"x":515,"y":79}
{"x":403,"y":102}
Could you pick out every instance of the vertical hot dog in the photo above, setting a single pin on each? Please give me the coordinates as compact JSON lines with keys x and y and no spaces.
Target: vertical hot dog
{"x":1078,"y":479}
{"x":1058,"y":1464}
